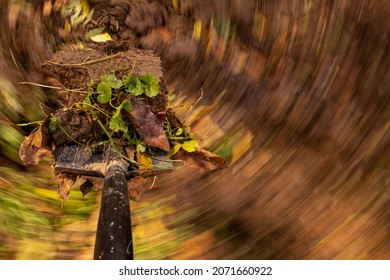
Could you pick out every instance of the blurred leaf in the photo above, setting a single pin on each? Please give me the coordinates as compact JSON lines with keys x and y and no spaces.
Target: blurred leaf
{"x":197,"y":30}
{"x":10,"y":139}
{"x":95,"y":31}
{"x":100,"y":38}
{"x":201,"y":159}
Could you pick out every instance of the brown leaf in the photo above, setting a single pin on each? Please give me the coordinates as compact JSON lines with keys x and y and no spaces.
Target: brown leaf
{"x":137,"y":186}
{"x":86,"y":187}
{"x":36,"y":145}
{"x":65,"y":182}
{"x":201,"y":159}
{"x":147,"y":124}
{"x":130,"y":152}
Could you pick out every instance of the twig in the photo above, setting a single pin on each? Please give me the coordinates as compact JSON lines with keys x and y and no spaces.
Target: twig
{"x":53,"y":87}
{"x":84,"y":63}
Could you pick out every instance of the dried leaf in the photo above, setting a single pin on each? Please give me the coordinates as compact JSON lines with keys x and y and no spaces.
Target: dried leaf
{"x":65,"y":182}
{"x":36,"y":145}
{"x":147,"y":124}
{"x":130,"y":152}
{"x":86,"y":187}
{"x":201,"y":159}
{"x":137,"y":186}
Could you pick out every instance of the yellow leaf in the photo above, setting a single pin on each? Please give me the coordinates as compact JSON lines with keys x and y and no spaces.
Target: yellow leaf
{"x":67,"y":26}
{"x":197,"y":30}
{"x":144,"y":161}
{"x":179,"y":131}
{"x":190,"y":146}
{"x":100,"y":38}
{"x":175,"y":4}
{"x":85,"y":6}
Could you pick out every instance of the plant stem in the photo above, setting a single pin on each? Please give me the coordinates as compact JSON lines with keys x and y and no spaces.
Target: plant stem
{"x":113,"y":144}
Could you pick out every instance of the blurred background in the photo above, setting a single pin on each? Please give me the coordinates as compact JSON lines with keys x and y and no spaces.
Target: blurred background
{"x":295,"y":95}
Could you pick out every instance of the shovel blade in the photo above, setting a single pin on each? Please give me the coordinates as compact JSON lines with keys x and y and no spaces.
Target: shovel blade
{"x":93,"y":162}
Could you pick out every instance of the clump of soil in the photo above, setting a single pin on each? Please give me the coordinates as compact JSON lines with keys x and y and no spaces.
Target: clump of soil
{"x":118,"y":100}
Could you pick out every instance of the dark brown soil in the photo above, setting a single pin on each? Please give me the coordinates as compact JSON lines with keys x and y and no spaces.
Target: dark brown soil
{"x":76,"y":69}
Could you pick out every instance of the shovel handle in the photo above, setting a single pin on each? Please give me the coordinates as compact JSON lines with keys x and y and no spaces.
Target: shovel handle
{"x":114,"y":236}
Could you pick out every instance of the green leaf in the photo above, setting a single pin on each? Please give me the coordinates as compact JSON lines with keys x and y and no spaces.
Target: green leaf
{"x":174,"y":150}
{"x":140,"y":148}
{"x":190,"y":146}
{"x":53,"y":124}
{"x":150,"y":84}
{"x":118,"y":124}
{"x":125,"y":105}
{"x":134,"y":86}
{"x":86,"y":103}
{"x":95,"y":31}
{"x":105,"y":93}
{"x":112,"y":81}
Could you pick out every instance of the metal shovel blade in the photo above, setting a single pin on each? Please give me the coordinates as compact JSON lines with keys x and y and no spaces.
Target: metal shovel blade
{"x":93,"y":162}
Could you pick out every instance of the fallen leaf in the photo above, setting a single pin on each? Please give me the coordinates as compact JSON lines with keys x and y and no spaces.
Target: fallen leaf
{"x":190,"y":146}
{"x":147,"y":124}
{"x":65,"y":182}
{"x":36,"y":145}
{"x":137,"y":186}
{"x":201,"y":159}
{"x":100,"y":38}
{"x":130,"y":152}
{"x":86,"y":187}
{"x":145,"y":161}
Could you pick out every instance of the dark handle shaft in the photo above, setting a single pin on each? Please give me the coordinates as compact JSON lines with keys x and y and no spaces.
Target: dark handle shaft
{"x":114,"y":236}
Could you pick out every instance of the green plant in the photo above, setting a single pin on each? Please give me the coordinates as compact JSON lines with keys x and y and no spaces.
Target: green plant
{"x":105,"y":103}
